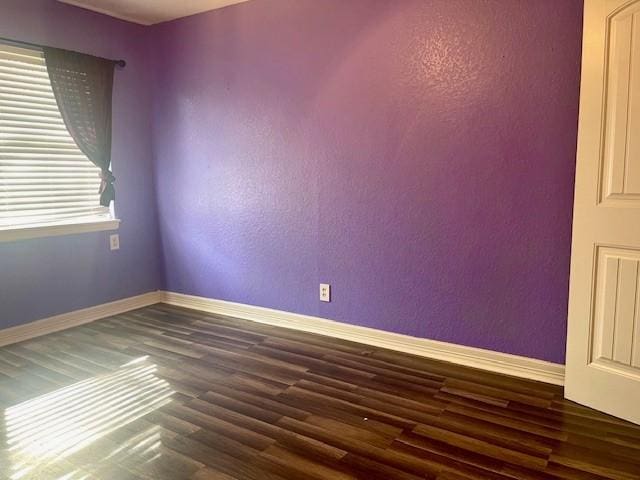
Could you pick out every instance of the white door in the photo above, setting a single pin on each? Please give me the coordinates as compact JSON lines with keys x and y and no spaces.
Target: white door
{"x":603,"y":345}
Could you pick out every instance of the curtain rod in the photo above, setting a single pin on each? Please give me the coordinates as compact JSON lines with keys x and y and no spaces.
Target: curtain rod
{"x":17,"y":43}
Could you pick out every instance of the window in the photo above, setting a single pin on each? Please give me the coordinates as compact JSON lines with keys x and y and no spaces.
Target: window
{"x":46,"y":182}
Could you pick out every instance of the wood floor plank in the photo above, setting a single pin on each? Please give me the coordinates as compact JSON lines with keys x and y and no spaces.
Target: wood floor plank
{"x":169,"y":393}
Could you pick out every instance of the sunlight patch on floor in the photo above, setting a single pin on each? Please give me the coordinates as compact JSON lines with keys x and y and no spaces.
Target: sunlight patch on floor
{"x":48,"y":429}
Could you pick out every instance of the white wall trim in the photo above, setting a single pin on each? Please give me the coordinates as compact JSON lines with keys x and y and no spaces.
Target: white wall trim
{"x":45,"y":326}
{"x":11,"y":234}
{"x":497,"y":362}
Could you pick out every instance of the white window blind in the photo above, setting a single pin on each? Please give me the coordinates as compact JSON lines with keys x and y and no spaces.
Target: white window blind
{"x":44,"y":177}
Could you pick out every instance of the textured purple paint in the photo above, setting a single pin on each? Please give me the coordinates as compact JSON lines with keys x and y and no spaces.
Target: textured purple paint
{"x":417,"y":155}
{"x":44,"y":277}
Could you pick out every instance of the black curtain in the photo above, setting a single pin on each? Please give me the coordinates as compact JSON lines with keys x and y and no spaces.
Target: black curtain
{"x":83,"y":87}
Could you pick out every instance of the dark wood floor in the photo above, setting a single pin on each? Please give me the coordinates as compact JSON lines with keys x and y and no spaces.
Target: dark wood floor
{"x":168,"y":393}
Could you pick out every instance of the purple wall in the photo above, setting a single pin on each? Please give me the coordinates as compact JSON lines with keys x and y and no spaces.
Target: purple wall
{"x":44,"y":277}
{"x":417,"y":155}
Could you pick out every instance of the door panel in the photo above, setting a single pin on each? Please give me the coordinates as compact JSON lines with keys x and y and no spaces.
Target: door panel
{"x":621,"y":153}
{"x":603,"y":342}
{"x":617,"y":301}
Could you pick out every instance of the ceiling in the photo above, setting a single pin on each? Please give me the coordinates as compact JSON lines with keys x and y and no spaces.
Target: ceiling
{"x":148,"y":12}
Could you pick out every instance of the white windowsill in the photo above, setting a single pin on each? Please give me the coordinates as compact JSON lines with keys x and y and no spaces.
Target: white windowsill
{"x":10,"y":234}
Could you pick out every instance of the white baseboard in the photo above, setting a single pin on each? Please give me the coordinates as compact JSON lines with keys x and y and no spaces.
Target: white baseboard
{"x":45,"y":326}
{"x":497,"y":362}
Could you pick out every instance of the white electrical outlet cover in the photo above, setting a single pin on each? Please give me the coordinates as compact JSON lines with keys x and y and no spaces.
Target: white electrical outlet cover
{"x":325,"y":292}
{"x":114,"y":242}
